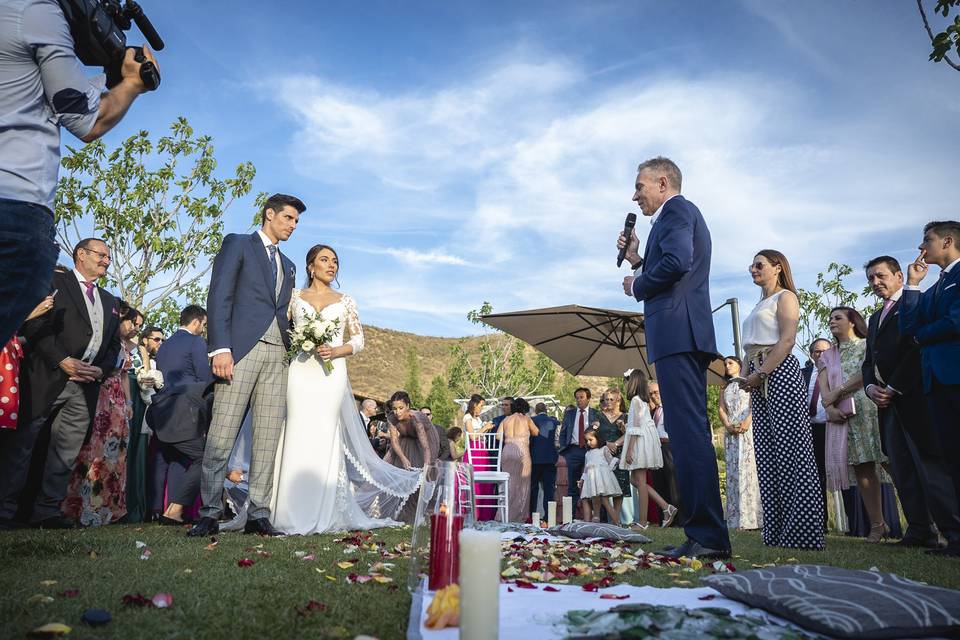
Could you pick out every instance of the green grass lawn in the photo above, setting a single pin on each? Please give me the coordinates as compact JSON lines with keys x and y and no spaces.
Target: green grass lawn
{"x":213,"y":597}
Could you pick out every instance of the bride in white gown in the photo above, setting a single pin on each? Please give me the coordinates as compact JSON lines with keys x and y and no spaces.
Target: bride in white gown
{"x":328,"y":476}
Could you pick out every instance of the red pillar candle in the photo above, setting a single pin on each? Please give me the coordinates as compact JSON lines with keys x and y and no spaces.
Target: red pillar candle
{"x":444,"y":566}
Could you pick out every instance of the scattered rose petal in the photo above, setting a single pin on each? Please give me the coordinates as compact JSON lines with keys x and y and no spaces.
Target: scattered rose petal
{"x":382,"y":579}
{"x":299,"y":554}
{"x":310,"y":607}
{"x":162,"y":600}
{"x":50,"y":630}
{"x":613,"y":596}
{"x":39,"y":599}
{"x":140,"y":545}
{"x":550,"y":589}
{"x":245,"y":562}
{"x":330,"y":578}
{"x":146,"y":554}
{"x":523,"y":584}
{"x":709,"y":596}
{"x":509,"y":589}
{"x":92,"y":555}
{"x":591,"y":587}
{"x":69,"y":593}
{"x":47,"y":583}
{"x":309,"y":558}
{"x":345,"y":564}
{"x":188,"y":571}
{"x":136,"y":600}
{"x":212,"y":545}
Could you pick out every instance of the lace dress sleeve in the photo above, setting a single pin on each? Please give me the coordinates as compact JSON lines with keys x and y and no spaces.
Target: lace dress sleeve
{"x":294,"y":295}
{"x":354,"y":327}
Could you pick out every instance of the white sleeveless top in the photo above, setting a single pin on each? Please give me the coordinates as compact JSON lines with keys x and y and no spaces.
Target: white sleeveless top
{"x":760,"y":327}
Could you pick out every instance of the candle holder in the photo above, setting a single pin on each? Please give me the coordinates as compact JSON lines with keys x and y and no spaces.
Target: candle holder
{"x":444,"y":508}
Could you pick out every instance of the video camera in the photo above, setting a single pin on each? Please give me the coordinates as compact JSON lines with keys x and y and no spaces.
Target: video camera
{"x":98,"y":26}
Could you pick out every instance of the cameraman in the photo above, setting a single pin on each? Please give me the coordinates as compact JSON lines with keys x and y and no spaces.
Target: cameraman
{"x":42,"y":87}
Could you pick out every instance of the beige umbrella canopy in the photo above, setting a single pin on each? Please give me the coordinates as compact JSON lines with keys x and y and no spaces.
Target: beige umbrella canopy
{"x":586,"y":340}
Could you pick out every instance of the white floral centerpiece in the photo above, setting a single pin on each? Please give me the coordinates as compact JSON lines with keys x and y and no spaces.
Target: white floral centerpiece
{"x":309,"y":335}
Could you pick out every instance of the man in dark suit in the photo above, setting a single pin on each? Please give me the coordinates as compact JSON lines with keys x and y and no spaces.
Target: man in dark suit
{"x":891,"y":378}
{"x":573,"y":444}
{"x":818,"y":416}
{"x":673,"y":282}
{"x":444,"y":453}
{"x":70,"y":351}
{"x":932,"y":320}
{"x":181,"y":433}
{"x":250,"y":289}
{"x":543,"y":455}
{"x":506,"y":406}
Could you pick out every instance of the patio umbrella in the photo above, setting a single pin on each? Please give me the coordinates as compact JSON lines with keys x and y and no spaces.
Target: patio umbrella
{"x":586,"y":341}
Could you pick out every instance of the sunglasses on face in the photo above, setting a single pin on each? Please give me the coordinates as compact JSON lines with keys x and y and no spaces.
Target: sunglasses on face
{"x":155,"y":339}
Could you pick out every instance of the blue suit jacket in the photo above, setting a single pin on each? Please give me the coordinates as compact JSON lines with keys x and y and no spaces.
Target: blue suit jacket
{"x":568,"y":428}
{"x":241,"y":303}
{"x":183,"y":361}
{"x":932,"y":318}
{"x":675,"y":283}
{"x":542,"y":450}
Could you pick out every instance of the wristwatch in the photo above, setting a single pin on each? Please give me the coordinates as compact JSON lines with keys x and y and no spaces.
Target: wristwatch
{"x":763,"y":374}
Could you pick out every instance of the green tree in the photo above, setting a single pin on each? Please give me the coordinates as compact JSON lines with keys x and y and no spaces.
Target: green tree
{"x":412,"y":385}
{"x":441,"y":402}
{"x":947,"y":40}
{"x":564,"y":386}
{"x":162,"y":221}
{"x":831,"y":292}
{"x":500,"y":368}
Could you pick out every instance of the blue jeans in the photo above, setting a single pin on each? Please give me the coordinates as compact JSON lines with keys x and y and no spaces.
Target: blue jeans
{"x":28,"y":254}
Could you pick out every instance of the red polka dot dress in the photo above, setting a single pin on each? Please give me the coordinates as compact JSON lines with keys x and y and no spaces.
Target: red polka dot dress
{"x":10,"y":383}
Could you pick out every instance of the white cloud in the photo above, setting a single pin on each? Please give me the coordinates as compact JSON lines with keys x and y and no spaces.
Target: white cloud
{"x":528,"y":168}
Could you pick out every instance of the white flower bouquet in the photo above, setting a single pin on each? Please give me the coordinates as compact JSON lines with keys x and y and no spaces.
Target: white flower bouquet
{"x":310,"y":334}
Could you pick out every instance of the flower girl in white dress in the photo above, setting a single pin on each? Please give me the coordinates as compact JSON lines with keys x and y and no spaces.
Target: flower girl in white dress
{"x":598,"y":483}
{"x":641,"y":449}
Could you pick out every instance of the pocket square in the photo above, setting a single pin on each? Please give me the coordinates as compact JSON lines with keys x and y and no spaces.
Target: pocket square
{"x":115,"y":312}
{"x":949,"y":286}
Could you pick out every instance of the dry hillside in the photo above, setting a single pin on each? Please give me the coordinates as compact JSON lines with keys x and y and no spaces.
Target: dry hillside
{"x":381,"y":368}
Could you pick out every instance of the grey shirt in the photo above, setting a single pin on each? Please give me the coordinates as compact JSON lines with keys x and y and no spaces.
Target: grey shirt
{"x":42,"y":87}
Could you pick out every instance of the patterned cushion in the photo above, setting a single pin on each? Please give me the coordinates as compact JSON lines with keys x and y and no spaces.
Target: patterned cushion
{"x":845,"y":603}
{"x":580,"y":530}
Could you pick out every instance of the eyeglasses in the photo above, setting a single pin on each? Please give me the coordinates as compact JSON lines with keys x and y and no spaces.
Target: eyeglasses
{"x":427,"y":413}
{"x":100,"y":255}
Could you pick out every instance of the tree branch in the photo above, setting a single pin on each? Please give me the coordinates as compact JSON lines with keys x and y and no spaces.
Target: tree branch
{"x":926,"y":25}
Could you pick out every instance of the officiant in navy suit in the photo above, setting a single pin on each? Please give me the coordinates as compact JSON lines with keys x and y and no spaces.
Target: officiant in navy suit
{"x":250,"y":290}
{"x":932,"y":319}
{"x":672,"y":280}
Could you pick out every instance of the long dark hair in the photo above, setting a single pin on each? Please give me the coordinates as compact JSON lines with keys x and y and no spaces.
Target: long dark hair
{"x":312,"y":255}
{"x":475,"y":399}
{"x":859,"y":324}
{"x":777,"y":259}
{"x":638,"y":385}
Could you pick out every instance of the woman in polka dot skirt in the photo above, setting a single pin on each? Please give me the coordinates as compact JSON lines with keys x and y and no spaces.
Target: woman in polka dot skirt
{"x":790,"y":492}
{"x":10,"y":358}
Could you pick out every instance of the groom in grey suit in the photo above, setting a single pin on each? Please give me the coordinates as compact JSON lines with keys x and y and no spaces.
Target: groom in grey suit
{"x":250,"y":289}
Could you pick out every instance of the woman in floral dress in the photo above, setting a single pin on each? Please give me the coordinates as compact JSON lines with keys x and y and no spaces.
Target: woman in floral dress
{"x":743,"y":487}
{"x":97,"y":492}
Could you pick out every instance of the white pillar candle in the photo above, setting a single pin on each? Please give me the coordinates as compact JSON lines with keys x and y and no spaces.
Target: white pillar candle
{"x":535,"y":519}
{"x":479,"y":585}
{"x":567,"y":509}
{"x":551,"y":514}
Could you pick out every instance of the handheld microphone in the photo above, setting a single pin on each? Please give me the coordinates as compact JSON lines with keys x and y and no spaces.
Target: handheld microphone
{"x":628,"y":226}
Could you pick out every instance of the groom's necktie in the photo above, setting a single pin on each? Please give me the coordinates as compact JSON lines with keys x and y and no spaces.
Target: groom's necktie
{"x":272,"y":250}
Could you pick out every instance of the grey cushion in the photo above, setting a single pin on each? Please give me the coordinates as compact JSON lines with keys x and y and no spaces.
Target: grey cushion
{"x":580,"y":530}
{"x":846,"y":603}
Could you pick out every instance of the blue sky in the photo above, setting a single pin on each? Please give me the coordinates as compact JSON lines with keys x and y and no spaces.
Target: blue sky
{"x":458,"y":152}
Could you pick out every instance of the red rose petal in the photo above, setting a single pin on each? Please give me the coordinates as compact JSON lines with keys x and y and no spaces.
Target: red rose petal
{"x":591,"y":587}
{"x":613,"y":596}
{"x":709,"y":596}
{"x":69,"y":593}
{"x":523,"y":584}
{"x":245,"y":562}
{"x":509,"y":589}
{"x":551,"y":589}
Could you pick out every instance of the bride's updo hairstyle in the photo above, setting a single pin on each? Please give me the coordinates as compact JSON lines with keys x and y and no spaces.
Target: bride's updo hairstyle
{"x":312,"y":255}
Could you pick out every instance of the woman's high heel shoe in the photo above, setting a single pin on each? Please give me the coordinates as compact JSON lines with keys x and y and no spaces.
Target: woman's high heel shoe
{"x":878,"y":532}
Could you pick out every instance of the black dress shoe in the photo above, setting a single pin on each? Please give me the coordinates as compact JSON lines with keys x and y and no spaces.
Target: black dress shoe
{"x":951,"y":550}
{"x":171,"y":522}
{"x":261,"y":526}
{"x":9,"y":524}
{"x":919,"y":543}
{"x":205,"y":527}
{"x":55,"y":522}
{"x":693,"y":549}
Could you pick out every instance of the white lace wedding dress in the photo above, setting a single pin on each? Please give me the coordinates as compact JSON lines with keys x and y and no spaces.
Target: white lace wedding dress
{"x":328,"y":477}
